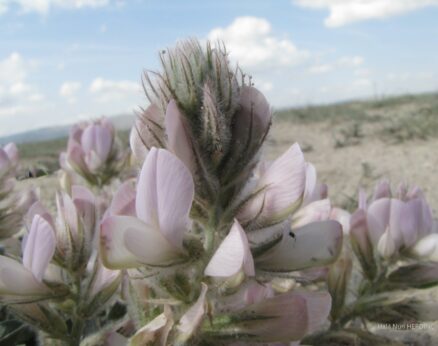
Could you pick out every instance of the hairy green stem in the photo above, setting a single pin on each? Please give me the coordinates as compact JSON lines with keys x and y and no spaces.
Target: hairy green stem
{"x":78,"y":322}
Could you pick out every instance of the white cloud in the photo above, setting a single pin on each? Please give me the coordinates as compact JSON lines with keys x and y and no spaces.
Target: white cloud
{"x":103,"y":29}
{"x":320,"y":68}
{"x":44,"y":6}
{"x":107,"y":90}
{"x":12,"y":69}
{"x":351,"y":61}
{"x":19,"y":88}
{"x":69,"y":90}
{"x":344,"y":12}
{"x":251,"y":42}
{"x":17,"y":95}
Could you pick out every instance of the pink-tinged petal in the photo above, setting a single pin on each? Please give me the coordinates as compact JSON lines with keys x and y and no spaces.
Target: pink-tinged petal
{"x":39,"y":248}
{"x":103,"y":278}
{"x":283,"y":185}
{"x":193,"y":317}
{"x":93,"y":161}
{"x":107,"y":124}
{"x":409,"y":223}
{"x":138,"y":147}
{"x":16,"y":280}
{"x":318,"y":308}
{"x":386,"y":245}
{"x":314,"y":274}
{"x":416,"y":221}
{"x":385,"y":214}
{"x":343,"y":217}
{"x":76,"y":133}
{"x":126,"y":242}
{"x":85,"y":202}
{"x":382,"y":190}
{"x":315,"y":211}
{"x":281,"y":318}
{"x":26,"y":200}
{"x":113,"y":251}
{"x":252,"y":101}
{"x":123,"y":202}
{"x":75,"y":158}
{"x":12,"y":152}
{"x":165,"y":194}
{"x":155,"y":332}
{"x":378,"y":216}
{"x":398,"y":208}
{"x":401,"y":192}
{"x":147,"y":132}
{"x":310,"y":186}
{"x":68,"y":219}
{"x":414,"y":192}
{"x":360,"y":239}
{"x":81,"y":193}
{"x":427,"y":247}
{"x":232,"y":256}
{"x":250,"y":292}
{"x":313,"y":245}
{"x":178,"y":140}
{"x":104,"y":142}
{"x":98,"y":139}
{"x":362,"y":200}
{"x":255,"y":293}
{"x":38,"y":208}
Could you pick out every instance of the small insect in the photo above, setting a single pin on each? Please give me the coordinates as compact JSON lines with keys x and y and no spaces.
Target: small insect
{"x":292,"y":235}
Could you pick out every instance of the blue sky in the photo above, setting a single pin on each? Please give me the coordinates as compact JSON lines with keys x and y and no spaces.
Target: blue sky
{"x":63,"y":61}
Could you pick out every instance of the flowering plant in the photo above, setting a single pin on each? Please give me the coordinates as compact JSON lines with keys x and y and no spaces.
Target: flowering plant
{"x":210,"y":244}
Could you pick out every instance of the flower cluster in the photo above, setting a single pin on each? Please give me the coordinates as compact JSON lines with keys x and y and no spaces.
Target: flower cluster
{"x":393,"y":237}
{"x":94,"y":152}
{"x":209,"y":223}
{"x":59,"y":283}
{"x":12,"y":205}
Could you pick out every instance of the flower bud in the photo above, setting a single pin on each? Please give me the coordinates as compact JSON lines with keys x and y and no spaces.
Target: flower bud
{"x":337,"y":281}
{"x":361,"y":243}
{"x":417,"y":275}
{"x":147,"y":132}
{"x":76,"y":219}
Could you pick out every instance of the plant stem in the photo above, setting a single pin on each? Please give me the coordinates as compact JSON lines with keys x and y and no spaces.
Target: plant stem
{"x":76,"y":332}
{"x":78,"y":320}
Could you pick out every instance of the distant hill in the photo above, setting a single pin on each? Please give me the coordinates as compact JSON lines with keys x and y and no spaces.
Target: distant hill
{"x":121,"y":122}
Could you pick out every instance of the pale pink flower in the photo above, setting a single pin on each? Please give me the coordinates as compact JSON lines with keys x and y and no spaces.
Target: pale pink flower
{"x":278,"y":191}
{"x":74,"y":227}
{"x":232,"y":256}
{"x":313,"y":245}
{"x":24,"y":282}
{"x":165,"y":192}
